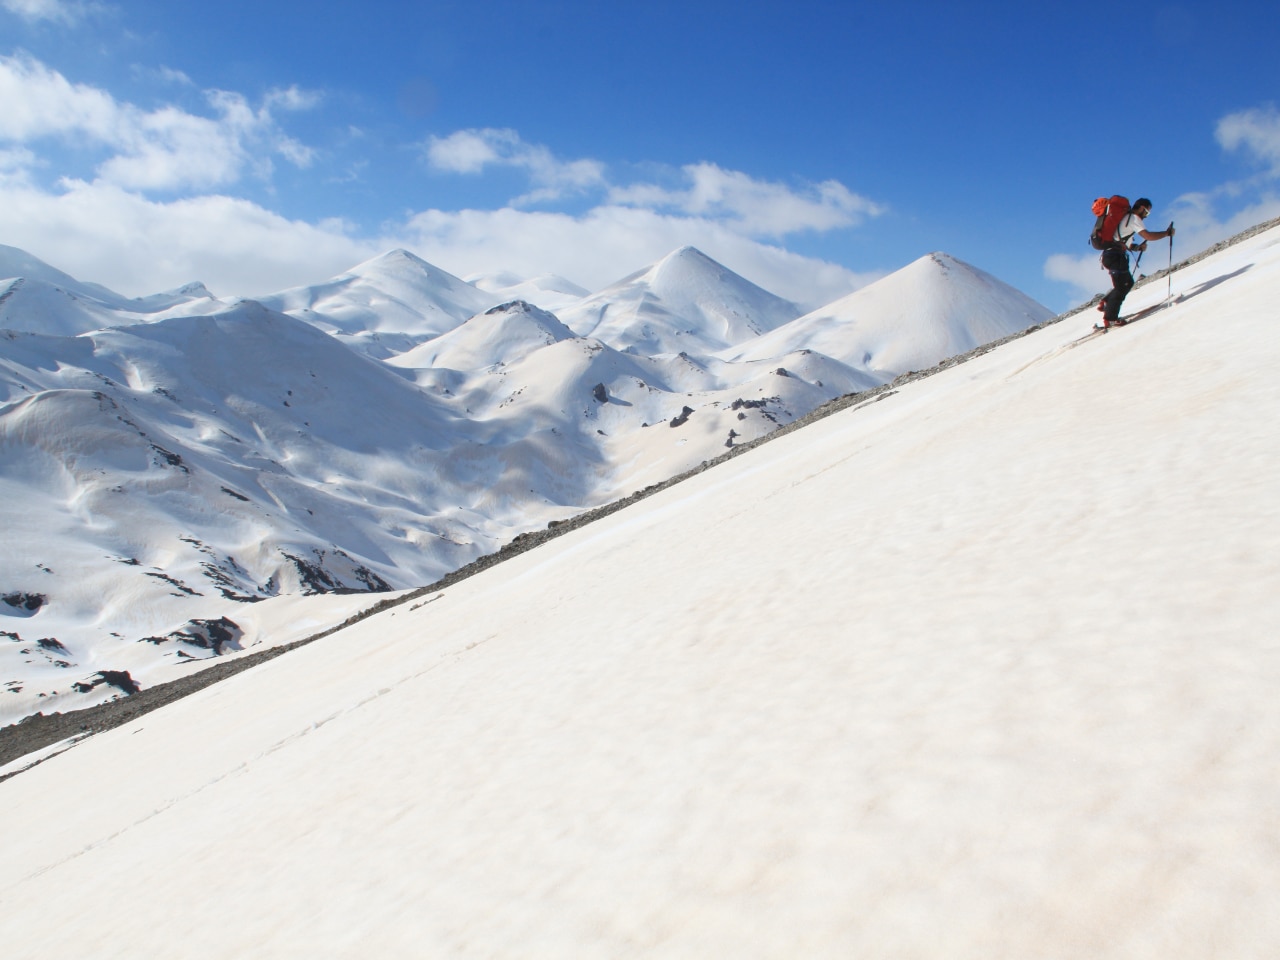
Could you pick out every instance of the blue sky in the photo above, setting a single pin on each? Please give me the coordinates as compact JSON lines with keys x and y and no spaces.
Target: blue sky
{"x":810,"y":146}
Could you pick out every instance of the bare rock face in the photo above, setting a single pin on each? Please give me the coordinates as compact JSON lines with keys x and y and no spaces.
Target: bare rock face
{"x":682,"y":418}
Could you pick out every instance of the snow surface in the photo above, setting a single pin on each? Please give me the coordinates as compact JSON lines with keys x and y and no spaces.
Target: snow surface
{"x":982,"y":669}
{"x":685,"y":302}
{"x":170,"y":461}
{"x":549,"y":291}
{"x":935,"y":307}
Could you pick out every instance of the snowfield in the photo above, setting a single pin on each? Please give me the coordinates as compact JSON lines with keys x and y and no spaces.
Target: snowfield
{"x":167,"y":462}
{"x":983,"y":668}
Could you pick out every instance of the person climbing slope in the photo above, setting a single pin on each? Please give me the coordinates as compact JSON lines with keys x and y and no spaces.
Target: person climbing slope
{"x":1115,"y":256}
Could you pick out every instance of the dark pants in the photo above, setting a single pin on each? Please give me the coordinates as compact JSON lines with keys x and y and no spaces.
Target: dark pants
{"x":1116,"y":261}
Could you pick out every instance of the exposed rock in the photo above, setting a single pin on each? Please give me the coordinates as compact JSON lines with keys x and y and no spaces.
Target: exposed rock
{"x":119,"y":679}
{"x":683,"y":418}
{"x":31,"y":602}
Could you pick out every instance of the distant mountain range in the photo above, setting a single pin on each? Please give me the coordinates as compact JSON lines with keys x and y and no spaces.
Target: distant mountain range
{"x":168,"y":460}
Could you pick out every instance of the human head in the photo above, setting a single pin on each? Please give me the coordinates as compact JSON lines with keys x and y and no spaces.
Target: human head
{"x":1142,"y":206}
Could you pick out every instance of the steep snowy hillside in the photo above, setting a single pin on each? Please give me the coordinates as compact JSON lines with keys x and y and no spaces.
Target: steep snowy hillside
{"x":385,"y":305}
{"x":685,"y":302}
{"x":522,"y":373}
{"x":172,"y":471}
{"x":984,"y":669}
{"x":500,"y":335}
{"x":933,"y":308}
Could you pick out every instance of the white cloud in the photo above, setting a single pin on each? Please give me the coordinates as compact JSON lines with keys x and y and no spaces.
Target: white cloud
{"x":1256,"y":132}
{"x":471,"y":151}
{"x":163,"y":149}
{"x":725,"y":213}
{"x":292,"y":98}
{"x":15,"y":163}
{"x":755,"y":207}
{"x":609,"y":242}
{"x":103,"y":233}
{"x":1083,"y":273}
{"x":166,"y":76}
{"x":57,"y":11}
{"x":110,"y":231}
{"x":42,"y":102}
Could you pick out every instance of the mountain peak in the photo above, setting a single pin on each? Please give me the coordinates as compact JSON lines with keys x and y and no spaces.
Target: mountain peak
{"x":687,"y":252}
{"x":689,"y":258}
{"x":934,"y":307}
{"x":393,"y":260}
{"x":686,"y":302}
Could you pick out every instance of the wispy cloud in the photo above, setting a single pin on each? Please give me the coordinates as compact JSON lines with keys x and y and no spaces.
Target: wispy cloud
{"x":471,"y":151}
{"x":162,"y":149}
{"x":754,"y":207}
{"x":136,"y":245}
{"x":112,"y":229}
{"x":56,"y":11}
{"x":104,"y":232}
{"x":1254,"y":132}
{"x":603,"y":244}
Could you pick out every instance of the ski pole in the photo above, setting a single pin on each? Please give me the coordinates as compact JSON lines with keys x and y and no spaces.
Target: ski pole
{"x":1169,"y":294}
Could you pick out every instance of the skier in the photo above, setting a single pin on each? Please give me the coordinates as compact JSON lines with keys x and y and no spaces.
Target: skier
{"x":1115,"y":258}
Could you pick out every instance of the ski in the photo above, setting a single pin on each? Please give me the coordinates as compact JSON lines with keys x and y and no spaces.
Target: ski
{"x":1088,"y":336}
{"x":1125,"y":321}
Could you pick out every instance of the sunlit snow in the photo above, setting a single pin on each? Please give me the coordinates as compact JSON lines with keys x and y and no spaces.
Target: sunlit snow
{"x":984,"y":668}
{"x":170,"y":461}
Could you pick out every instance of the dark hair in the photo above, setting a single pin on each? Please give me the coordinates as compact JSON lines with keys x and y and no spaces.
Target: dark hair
{"x":1142,"y":202}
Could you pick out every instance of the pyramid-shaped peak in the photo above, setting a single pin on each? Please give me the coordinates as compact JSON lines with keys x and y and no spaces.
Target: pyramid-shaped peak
{"x":941,"y":268}
{"x":397,"y":259}
{"x":688,"y":267}
{"x":940,"y":262}
{"x":688,"y":252}
{"x":688,"y":257}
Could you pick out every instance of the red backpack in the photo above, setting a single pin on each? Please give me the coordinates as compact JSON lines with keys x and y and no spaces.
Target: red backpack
{"x":1109,"y":213}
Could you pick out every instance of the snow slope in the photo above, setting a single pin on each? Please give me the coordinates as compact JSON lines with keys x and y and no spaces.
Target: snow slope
{"x":37,"y":298}
{"x":984,"y":669}
{"x":933,"y":308}
{"x":385,"y":305}
{"x":179,"y":458}
{"x":685,"y":302}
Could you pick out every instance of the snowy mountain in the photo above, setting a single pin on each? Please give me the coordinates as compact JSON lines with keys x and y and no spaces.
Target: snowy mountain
{"x":978,"y":667}
{"x":933,"y":308}
{"x":38,"y":298}
{"x":385,"y":305}
{"x":685,"y":302}
{"x":173,"y":460}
